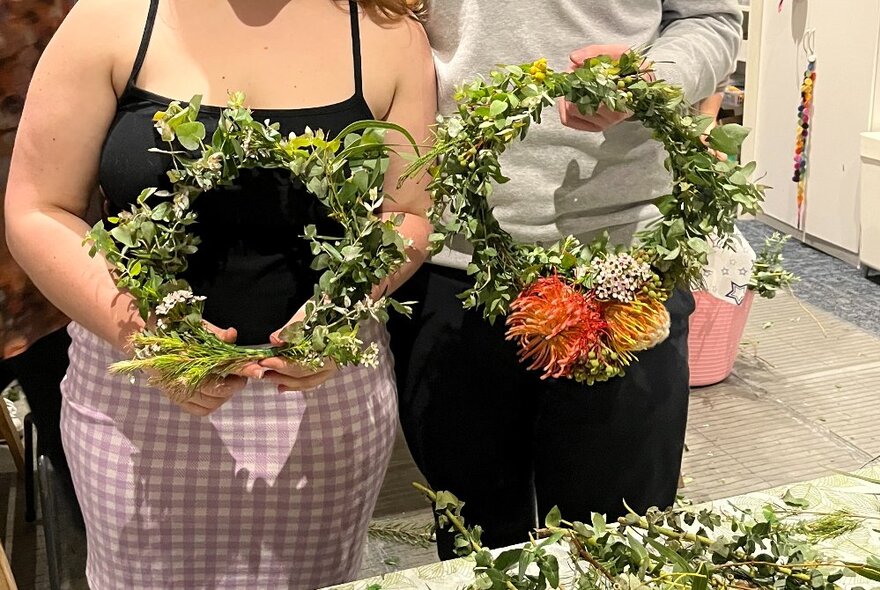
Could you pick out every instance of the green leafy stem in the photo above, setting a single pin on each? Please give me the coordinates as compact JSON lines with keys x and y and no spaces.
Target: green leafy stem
{"x":768,"y":274}
{"x":675,"y":549}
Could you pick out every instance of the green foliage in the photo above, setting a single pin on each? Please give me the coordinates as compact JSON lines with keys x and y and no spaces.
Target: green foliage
{"x":147,"y":247}
{"x":676,"y":549}
{"x":706,"y":196}
{"x":404,"y":533}
{"x":768,"y":275}
{"x":13,"y":392}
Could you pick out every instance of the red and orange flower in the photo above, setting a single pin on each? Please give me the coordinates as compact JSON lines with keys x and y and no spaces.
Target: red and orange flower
{"x":589,"y":333}
{"x":556,"y":325}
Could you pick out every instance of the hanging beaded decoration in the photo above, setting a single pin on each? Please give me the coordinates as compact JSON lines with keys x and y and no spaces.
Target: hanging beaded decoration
{"x":802,"y":139}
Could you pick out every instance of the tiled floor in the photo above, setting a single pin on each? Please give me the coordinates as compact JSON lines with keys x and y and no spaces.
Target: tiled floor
{"x":826,"y":282}
{"x":803,"y":401}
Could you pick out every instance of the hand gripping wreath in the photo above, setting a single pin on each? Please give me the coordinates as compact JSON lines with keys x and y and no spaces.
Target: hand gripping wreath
{"x":583,"y":310}
{"x":148,"y":246}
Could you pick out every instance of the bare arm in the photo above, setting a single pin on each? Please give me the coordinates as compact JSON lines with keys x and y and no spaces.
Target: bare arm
{"x":711,"y":105}
{"x":69,"y":107}
{"x":70,"y":104}
{"x":413,"y":108}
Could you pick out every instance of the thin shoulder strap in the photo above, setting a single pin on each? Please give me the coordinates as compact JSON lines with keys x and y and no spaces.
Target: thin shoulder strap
{"x":145,"y":43}
{"x":356,"y":46}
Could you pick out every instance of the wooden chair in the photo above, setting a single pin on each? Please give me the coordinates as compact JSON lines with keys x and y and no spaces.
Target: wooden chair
{"x":10,"y":435}
{"x":13,"y":441}
{"x":7,"y":582}
{"x":22,"y":455}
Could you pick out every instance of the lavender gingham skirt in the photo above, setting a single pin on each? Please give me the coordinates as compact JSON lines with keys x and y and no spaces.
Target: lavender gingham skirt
{"x":270,"y":491}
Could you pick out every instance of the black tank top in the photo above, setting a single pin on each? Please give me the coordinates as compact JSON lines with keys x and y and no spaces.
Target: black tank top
{"x":252,"y":265}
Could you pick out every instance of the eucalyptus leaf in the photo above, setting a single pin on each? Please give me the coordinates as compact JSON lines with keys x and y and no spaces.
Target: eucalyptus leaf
{"x":678,"y":562}
{"x":123,"y":235}
{"x":791,"y":500}
{"x":728,"y":138}
{"x":507,"y":559}
{"x":553,"y":517}
{"x":549,"y":566}
{"x":497,"y":107}
{"x":191,"y":134}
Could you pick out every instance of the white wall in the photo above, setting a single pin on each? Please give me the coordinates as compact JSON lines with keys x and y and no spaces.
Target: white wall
{"x":847,"y":48}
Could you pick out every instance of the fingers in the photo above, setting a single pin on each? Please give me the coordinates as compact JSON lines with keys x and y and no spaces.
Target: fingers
{"x":293,"y":377}
{"x":705,"y":139}
{"x":211,"y":397}
{"x":570,"y":117}
{"x":719,"y":155}
{"x":287,"y":383}
{"x":285,"y":375}
{"x":195,"y":410}
{"x":251,"y":371}
{"x":228,"y":335}
{"x":602,"y":120}
{"x":275,"y":338}
{"x":579,"y":56}
{"x":225,"y":388}
{"x":284,"y":367}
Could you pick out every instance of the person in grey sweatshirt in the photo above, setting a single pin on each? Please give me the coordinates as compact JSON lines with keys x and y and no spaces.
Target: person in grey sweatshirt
{"x":480,"y":425}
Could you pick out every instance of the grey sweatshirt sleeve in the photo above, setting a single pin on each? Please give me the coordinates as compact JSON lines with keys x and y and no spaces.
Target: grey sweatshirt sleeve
{"x":698,"y":44}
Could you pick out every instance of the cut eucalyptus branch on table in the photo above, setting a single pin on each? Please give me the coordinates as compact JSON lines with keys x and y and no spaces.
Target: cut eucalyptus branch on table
{"x":687,"y":548}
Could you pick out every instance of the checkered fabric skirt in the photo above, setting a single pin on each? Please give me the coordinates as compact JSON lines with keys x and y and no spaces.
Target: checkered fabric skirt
{"x":270,"y":491}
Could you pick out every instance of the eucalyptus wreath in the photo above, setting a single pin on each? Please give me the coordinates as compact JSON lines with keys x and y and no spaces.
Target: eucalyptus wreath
{"x":147,"y":246}
{"x":582,"y":310}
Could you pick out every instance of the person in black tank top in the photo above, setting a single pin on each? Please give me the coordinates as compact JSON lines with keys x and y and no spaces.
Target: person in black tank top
{"x":269,"y":478}
{"x":252,"y":264}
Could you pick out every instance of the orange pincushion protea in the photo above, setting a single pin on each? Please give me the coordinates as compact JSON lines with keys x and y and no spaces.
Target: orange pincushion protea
{"x":556,"y":326}
{"x":637,"y":325}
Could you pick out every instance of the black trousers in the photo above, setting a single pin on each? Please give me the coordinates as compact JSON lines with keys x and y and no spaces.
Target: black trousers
{"x":39,"y":370}
{"x":509,"y":444}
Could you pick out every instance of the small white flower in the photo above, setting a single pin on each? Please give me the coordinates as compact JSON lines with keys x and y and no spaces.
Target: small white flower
{"x":215,"y":161}
{"x":620,"y":277}
{"x":172,"y":299}
{"x":370,"y":356}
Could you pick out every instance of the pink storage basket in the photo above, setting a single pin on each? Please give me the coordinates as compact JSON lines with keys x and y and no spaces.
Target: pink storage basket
{"x":716,"y":328}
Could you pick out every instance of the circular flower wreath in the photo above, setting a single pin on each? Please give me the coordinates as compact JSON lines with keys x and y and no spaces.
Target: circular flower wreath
{"x":149,"y":244}
{"x":577,"y":310}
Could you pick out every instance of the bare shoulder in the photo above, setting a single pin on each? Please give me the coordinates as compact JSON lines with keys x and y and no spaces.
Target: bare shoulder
{"x":94,"y":16}
{"x":105,"y":33}
{"x":398,"y":65}
{"x":400,"y":40}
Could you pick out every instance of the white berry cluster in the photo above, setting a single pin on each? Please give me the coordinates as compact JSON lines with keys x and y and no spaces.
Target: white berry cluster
{"x":620,"y":277}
